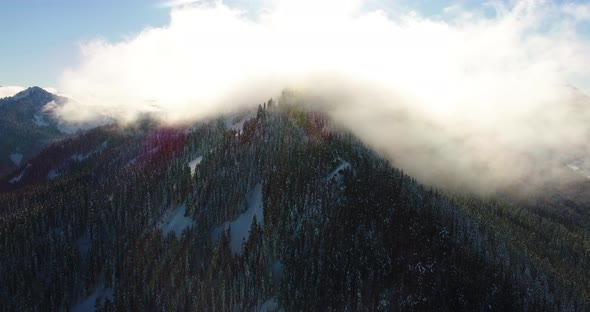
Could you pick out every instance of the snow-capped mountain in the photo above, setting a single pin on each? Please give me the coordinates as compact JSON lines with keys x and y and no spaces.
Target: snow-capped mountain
{"x":27,"y":125}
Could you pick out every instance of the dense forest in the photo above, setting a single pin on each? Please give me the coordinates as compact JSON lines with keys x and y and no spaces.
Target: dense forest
{"x":275,"y":209}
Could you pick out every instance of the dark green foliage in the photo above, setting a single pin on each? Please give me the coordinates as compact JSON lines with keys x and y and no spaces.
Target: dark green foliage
{"x":370,"y":238}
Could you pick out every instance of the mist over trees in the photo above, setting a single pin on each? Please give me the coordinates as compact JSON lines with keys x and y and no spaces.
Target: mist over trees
{"x":341,"y":230}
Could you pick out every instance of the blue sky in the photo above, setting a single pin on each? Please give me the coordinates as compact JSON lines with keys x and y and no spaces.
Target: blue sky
{"x":40,"y":38}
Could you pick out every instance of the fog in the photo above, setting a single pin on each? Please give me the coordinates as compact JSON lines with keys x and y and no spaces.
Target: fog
{"x":481,"y":99}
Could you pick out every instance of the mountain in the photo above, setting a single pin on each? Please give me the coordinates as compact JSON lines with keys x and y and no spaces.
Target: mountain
{"x":27,"y":125}
{"x":273,"y":210}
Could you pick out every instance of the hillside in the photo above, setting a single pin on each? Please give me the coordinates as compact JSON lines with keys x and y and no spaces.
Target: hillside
{"x":272,"y":210}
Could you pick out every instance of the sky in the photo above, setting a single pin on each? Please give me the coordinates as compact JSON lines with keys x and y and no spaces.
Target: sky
{"x":40,"y":38}
{"x":479,"y":95}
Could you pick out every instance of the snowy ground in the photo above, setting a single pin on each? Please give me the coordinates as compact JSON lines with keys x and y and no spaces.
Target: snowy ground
{"x":193,"y":164}
{"x":17,"y":178}
{"x":238,"y":126}
{"x":240,"y":228}
{"x":40,"y":121}
{"x":52,"y":174}
{"x":580,"y":165}
{"x":336,"y":173}
{"x":277,"y":272}
{"x":83,"y":244}
{"x":175,"y":221}
{"x":16,"y":158}
{"x":80,"y":157}
{"x":99,"y":292}
{"x":270,"y":305}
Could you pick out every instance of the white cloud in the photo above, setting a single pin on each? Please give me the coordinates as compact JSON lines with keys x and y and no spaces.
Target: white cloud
{"x":581,"y":12}
{"x":9,"y":91}
{"x":478,"y":95}
{"x":51,"y":90}
{"x":177,"y":3}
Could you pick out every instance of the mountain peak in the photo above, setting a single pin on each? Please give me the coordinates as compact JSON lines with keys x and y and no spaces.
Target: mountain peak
{"x":33,"y":90}
{"x":37,"y":93}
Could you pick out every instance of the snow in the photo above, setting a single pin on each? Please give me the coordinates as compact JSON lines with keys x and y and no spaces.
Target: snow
{"x":16,"y":158}
{"x":238,"y":126}
{"x":80,"y":157}
{"x":88,"y":303}
{"x":83,"y":244}
{"x":193,"y":164}
{"x":270,"y":305}
{"x":336,"y":172}
{"x":131,"y":162}
{"x":573,"y":167}
{"x":67,"y":128}
{"x":581,"y":166}
{"x":175,"y":221}
{"x":153,"y":150}
{"x":240,"y":228}
{"x":40,"y":121}
{"x":17,"y":178}
{"x":277,"y":272}
{"x":52,"y":174}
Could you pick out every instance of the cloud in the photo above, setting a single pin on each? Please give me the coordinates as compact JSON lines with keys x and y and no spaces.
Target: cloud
{"x":51,"y":90}
{"x":177,"y":3}
{"x":10,"y":91}
{"x":467,"y":94}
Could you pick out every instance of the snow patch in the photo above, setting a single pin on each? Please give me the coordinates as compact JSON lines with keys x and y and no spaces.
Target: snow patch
{"x":100,"y":293}
{"x":277,"y":272}
{"x":40,"y":121}
{"x":84,"y":244}
{"x":580,"y":166}
{"x":80,"y":157}
{"x":337,"y":173}
{"x":17,"y":178}
{"x":131,"y":162}
{"x":52,"y":174}
{"x":238,"y":126}
{"x":193,"y":164}
{"x":153,"y":150}
{"x":240,"y":228}
{"x":67,"y":128}
{"x":175,"y":221}
{"x":270,"y":305}
{"x":16,"y":158}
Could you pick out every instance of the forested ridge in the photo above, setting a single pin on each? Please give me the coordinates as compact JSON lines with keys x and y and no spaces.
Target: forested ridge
{"x":93,"y":222}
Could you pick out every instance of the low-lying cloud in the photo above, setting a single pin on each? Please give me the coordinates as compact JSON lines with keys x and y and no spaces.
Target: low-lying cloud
{"x":477,"y":98}
{"x":9,"y":91}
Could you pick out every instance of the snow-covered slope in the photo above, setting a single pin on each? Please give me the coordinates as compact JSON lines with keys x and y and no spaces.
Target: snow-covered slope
{"x":174,"y":221}
{"x":240,"y":227}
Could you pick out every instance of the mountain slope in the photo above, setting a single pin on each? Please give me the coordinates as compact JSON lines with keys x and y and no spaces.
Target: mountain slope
{"x":332,"y":226}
